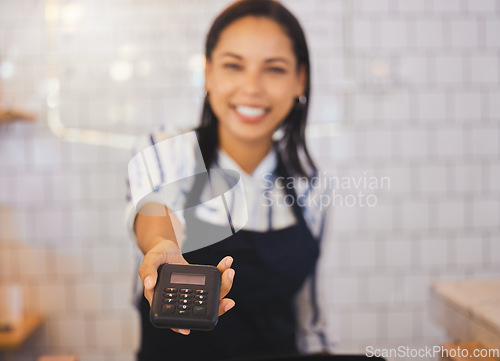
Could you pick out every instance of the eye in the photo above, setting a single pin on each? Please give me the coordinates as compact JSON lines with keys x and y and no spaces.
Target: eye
{"x":277,"y":70}
{"x":232,"y":66}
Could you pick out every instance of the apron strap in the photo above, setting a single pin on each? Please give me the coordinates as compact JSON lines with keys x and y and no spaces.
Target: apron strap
{"x":282,"y":172}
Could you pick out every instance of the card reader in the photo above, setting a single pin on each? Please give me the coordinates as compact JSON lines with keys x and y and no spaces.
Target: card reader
{"x":186,"y":296}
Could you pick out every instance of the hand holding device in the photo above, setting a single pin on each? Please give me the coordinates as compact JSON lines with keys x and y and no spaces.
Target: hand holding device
{"x":167,"y":251}
{"x":186,"y":297}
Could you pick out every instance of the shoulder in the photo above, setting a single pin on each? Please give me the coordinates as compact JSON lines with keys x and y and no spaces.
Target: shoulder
{"x":161,"y":136}
{"x":162,"y":156}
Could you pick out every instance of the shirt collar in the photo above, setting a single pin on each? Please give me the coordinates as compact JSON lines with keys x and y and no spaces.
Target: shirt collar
{"x":267,"y":165}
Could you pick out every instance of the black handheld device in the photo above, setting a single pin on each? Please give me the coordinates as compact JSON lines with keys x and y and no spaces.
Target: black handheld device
{"x":186,"y":296}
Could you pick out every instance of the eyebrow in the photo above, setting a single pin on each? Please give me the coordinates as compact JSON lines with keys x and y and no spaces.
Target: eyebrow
{"x":270,"y":60}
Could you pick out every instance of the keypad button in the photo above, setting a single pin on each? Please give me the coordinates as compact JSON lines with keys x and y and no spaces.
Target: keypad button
{"x":183,"y":312}
{"x":199,"y":311}
{"x":168,"y":300}
{"x":183,"y":295}
{"x":169,"y":295}
{"x":170,"y":290}
{"x":184,"y":301}
{"x":201,"y":292}
{"x":183,"y":307}
{"x":198,"y":302}
{"x":186,"y":290}
{"x":200,"y":297}
{"x":168,"y":308}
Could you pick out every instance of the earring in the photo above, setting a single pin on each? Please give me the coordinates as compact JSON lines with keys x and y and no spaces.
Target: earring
{"x":302,"y":99}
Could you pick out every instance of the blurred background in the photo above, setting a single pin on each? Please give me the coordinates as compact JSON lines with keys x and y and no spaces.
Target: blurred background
{"x":404,"y":89}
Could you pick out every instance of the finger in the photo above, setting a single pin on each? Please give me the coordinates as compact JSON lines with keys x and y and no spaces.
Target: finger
{"x":181,"y":331}
{"x":149,"y":280}
{"x":148,"y":294}
{"x":148,"y":271}
{"x":225,"y":305}
{"x":226,"y":282}
{"x":149,"y":275}
{"x":164,"y":252}
{"x":224,"y":264}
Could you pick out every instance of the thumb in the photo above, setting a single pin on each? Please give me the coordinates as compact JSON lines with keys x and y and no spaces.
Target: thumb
{"x":149,"y":282}
{"x":148,"y":271}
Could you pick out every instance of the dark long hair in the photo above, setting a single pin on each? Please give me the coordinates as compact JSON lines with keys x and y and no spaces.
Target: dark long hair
{"x":293,"y":127}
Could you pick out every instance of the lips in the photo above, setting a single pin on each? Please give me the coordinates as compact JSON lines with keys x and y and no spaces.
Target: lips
{"x":249,"y":113}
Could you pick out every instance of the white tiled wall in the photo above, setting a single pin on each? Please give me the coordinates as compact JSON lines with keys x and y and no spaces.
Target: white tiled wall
{"x":413,"y":85}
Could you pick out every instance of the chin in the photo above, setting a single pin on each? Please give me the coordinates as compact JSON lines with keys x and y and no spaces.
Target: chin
{"x":252,"y":136}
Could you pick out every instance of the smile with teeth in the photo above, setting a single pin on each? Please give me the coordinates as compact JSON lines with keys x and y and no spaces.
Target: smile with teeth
{"x":250,"y":111}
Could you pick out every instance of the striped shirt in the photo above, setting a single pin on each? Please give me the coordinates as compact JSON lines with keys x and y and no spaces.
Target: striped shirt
{"x":267,"y":207}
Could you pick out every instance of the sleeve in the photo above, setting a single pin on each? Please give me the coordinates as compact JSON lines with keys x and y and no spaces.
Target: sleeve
{"x":160,"y":172}
{"x":311,"y":302}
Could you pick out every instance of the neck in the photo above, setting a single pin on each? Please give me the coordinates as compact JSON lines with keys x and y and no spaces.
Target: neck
{"x":247,"y":154}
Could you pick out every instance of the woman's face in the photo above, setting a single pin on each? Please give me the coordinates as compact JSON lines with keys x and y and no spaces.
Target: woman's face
{"x":252,"y":79}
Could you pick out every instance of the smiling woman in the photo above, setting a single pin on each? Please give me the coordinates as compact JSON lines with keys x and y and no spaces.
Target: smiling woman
{"x":257,"y":59}
{"x":252,"y":79}
{"x":257,"y":84}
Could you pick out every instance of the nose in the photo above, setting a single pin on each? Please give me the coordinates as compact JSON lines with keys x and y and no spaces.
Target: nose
{"x":252,"y":82}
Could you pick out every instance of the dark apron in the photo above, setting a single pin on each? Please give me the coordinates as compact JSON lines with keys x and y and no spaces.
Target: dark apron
{"x":271,"y":267}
